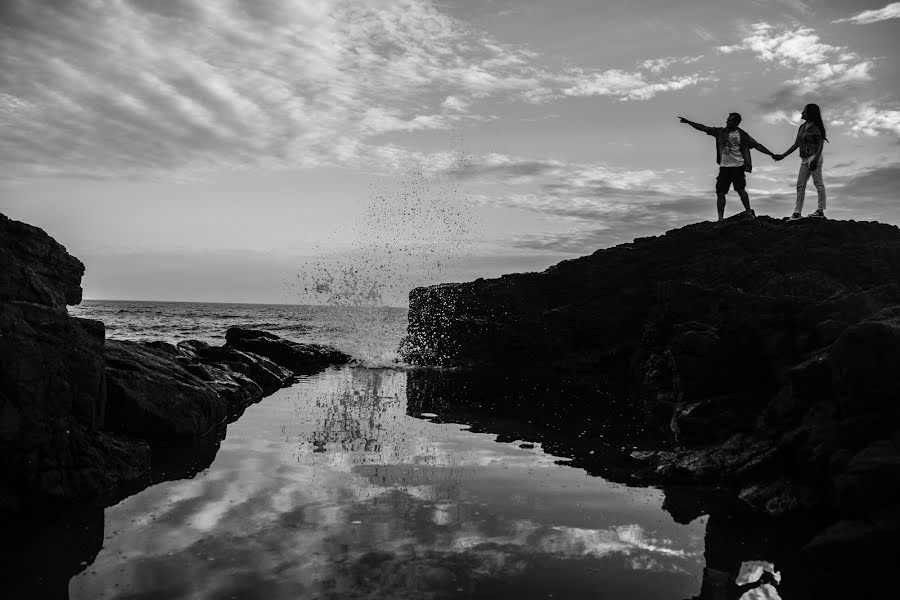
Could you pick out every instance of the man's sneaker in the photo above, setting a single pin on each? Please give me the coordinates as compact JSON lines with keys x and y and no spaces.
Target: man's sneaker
{"x":795,"y":216}
{"x":819,"y":214}
{"x":750,"y":213}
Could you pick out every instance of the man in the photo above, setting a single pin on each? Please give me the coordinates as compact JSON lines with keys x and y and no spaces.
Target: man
{"x":733,"y":146}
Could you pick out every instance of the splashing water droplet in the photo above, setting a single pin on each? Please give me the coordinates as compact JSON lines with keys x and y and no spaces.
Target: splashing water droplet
{"x":412,"y":229}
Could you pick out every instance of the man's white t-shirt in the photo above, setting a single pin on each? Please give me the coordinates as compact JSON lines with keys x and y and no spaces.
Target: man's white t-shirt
{"x":731,"y":153}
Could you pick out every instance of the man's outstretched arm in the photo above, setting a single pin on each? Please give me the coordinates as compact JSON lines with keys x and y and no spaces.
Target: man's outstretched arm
{"x":696,"y":126}
{"x":761,"y":148}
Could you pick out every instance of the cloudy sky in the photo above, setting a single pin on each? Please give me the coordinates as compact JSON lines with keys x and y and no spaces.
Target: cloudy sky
{"x":214,"y":150}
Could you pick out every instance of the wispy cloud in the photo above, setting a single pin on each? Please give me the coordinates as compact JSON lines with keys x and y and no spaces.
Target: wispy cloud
{"x":816,"y":63}
{"x":866,"y":194}
{"x":879,"y":183}
{"x":704,"y":34}
{"x":891,"y":11}
{"x":799,"y":6}
{"x":657,"y":65}
{"x":108,"y":89}
{"x":627,"y":85}
{"x":871,"y":120}
{"x":600,"y":204}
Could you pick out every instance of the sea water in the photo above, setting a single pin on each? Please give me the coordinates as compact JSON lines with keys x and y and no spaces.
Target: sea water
{"x":370,"y":334}
{"x":376,"y":480}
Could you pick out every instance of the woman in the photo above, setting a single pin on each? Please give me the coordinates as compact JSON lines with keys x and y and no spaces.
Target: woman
{"x":811,"y":140}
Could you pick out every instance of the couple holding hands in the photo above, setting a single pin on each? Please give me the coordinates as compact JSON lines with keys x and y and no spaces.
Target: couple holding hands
{"x":733,"y":146}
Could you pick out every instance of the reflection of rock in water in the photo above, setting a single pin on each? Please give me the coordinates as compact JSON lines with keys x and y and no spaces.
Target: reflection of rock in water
{"x":182,"y":461}
{"x":42,"y":552}
{"x":353,"y":415}
{"x":585,"y":419}
{"x":45,"y":551}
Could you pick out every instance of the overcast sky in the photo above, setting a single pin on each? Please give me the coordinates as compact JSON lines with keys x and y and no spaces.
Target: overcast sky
{"x":207,"y":150}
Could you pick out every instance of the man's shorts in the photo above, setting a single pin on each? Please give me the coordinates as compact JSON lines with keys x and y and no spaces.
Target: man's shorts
{"x":728,"y":176}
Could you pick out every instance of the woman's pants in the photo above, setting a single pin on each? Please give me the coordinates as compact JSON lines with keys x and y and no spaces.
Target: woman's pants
{"x":803,"y":177}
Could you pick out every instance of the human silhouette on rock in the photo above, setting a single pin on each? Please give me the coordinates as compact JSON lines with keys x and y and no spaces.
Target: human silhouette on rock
{"x":811,"y":141}
{"x":733,"y":146}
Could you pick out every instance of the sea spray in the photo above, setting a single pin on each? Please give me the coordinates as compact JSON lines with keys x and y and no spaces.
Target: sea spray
{"x":412,"y":229}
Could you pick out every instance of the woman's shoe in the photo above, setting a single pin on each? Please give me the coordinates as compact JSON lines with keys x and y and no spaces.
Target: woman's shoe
{"x":795,"y":216}
{"x":819,"y":214}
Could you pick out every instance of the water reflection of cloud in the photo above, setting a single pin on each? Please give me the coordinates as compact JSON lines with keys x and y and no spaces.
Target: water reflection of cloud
{"x":271,"y":514}
{"x":631,"y":539}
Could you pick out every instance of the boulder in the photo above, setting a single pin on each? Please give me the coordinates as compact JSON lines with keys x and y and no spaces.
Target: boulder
{"x":151,"y":395}
{"x":874,"y":472}
{"x":265,"y":373}
{"x":299,"y":358}
{"x":864,"y":363}
{"x":159,"y":391}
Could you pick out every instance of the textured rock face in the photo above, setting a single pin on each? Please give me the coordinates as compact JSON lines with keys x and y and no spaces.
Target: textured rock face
{"x":52,"y":380}
{"x":767,"y":350}
{"x":35,"y":268}
{"x":764,"y":276}
{"x":158,"y":391}
{"x":152,"y":396}
{"x":299,"y":358}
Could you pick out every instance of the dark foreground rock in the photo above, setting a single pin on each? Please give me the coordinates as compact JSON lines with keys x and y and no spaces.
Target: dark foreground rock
{"x":81,"y":417}
{"x":52,"y":381}
{"x":766,"y":351}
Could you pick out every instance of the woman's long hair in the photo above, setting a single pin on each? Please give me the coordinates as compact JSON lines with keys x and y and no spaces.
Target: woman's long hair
{"x":814,"y":115}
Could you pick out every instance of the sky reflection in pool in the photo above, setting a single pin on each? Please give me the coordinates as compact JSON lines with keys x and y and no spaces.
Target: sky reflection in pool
{"x":328,"y":489}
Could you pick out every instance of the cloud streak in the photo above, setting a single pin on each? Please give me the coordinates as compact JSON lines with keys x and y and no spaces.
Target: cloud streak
{"x":658,"y":65}
{"x":891,"y":11}
{"x":627,"y":86}
{"x":601,"y":205}
{"x":112,"y":89}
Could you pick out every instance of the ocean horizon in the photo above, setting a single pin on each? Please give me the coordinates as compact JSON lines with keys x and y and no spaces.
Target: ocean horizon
{"x":369,"y":334}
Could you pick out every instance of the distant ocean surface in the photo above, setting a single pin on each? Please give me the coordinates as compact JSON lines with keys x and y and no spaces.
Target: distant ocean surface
{"x":370,"y":334}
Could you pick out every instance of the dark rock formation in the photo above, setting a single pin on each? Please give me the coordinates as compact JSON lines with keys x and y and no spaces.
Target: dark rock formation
{"x":52,"y":381}
{"x":265,"y":373}
{"x":759,"y":286}
{"x":767,"y":350}
{"x":299,"y":358}
{"x":152,"y":396}
{"x":36,"y":268}
{"x":78,"y":414}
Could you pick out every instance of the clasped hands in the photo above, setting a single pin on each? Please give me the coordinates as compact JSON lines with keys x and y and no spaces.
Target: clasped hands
{"x":812,"y":165}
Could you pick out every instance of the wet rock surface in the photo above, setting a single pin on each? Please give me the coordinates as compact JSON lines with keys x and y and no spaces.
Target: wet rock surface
{"x":296,"y":356}
{"x":763,"y":352}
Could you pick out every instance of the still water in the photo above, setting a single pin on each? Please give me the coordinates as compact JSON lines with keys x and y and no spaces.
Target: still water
{"x":340,"y":487}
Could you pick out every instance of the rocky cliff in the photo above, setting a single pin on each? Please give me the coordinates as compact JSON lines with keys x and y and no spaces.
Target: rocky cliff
{"x":80,"y":416}
{"x":52,"y":380}
{"x":767,"y":351}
